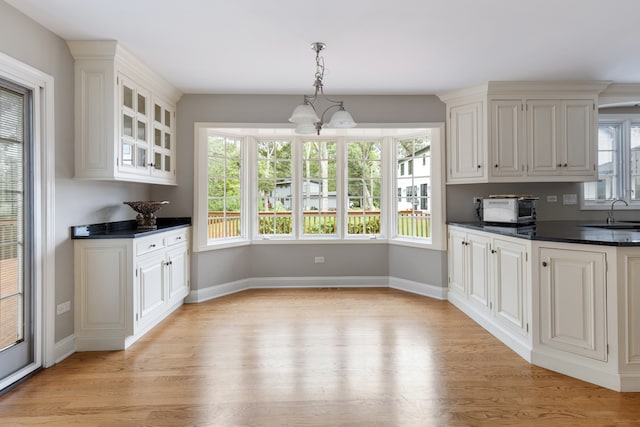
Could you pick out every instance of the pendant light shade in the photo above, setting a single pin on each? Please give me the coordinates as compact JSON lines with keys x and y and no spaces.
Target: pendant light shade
{"x":306,"y":128}
{"x":341,"y":119}
{"x":304,"y":113}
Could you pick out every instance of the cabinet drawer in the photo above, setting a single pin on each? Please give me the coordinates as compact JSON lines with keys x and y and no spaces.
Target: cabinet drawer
{"x":150,"y":244}
{"x":177,"y":237}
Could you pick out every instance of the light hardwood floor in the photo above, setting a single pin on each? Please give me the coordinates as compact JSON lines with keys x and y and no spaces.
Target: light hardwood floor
{"x":313,"y":357}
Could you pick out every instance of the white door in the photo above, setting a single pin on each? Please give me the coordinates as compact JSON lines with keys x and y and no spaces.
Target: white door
{"x":506,"y":138}
{"x":478,"y":251}
{"x":510,"y":285}
{"x":465,"y":154}
{"x":573,"y":301}
{"x":457,"y":262}
{"x":543,"y":137}
{"x":580,"y":151}
{"x":16,"y":225}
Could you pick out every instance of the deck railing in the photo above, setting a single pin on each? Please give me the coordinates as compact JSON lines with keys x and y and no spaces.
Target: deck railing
{"x":410,"y":223}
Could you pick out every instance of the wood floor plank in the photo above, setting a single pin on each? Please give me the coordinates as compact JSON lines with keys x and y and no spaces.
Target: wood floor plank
{"x":313,"y":357}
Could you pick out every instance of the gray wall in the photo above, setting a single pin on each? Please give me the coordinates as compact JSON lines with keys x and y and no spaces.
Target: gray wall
{"x":76,"y":202}
{"x":227,"y":265}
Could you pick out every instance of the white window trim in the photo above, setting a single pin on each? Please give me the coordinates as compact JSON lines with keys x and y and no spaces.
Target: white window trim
{"x":388,"y":198}
{"x":626,"y":120}
{"x":43,"y":123}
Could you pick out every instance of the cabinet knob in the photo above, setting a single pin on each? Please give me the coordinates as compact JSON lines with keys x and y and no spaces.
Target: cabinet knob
{"x":153,"y":245}
{"x":495,"y":166}
{"x":565,"y":165}
{"x":493,"y":251}
{"x":559,"y":165}
{"x":544,"y":263}
{"x":478,"y":166}
{"x":150,"y":164}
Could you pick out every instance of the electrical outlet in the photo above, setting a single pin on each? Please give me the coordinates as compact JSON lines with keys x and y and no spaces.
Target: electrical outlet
{"x":569,"y":199}
{"x":63,"y":307}
{"x":552,"y":199}
{"x":319,"y":260}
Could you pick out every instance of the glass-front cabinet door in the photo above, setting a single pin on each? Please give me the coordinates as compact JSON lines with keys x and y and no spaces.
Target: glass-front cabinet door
{"x":163,"y":146}
{"x":135,"y":127}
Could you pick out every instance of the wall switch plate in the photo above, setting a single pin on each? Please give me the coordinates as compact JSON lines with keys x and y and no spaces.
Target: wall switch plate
{"x":569,"y":199}
{"x":552,"y":199}
{"x":319,"y":260}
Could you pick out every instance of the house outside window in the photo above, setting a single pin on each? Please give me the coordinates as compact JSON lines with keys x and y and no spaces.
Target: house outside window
{"x":618,"y":164}
{"x":414,"y":219}
{"x":275,"y":188}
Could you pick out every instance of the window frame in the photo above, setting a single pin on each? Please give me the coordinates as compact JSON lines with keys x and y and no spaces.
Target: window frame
{"x":385,"y":133}
{"x":623,"y":151}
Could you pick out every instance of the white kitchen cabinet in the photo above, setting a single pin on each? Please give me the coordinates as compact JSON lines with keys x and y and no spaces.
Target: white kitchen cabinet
{"x":523,"y":132}
{"x":562,"y":138}
{"x":124,"y":287}
{"x":469,"y":255}
{"x":510,"y":279}
{"x":489,"y":280}
{"x":506,"y":133}
{"x":573,"y":301}
{"x":465,"y":150}
{"x":125,"y":117}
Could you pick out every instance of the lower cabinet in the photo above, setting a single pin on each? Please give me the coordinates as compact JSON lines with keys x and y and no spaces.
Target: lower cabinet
{"x":511,"y":278}
{"x":573,"y":299}
{"x":489,"y":281}
{"x":124,"y":287}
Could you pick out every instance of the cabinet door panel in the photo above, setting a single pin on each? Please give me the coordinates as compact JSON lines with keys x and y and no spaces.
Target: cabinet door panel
{"x":543,"y":137}
{"x":506,"y":138}
{"x":179,"y":268}
{"x":510,"y":285}
{"x":465,"y":149}
{"x":457,"y":260}
{"x":151,"y":289}
{"x":478,"y":250}
{"x":572,"y":301}
{"x":580,"y":146}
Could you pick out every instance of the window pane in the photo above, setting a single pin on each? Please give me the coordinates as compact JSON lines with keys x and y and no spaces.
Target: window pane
{"x":413,"y":169}
{"x":224,"y":187}
{"x":319,"y":187}
{"x":608,"y":185}
{"x":363,"y":186}
{"x":274,"y":188}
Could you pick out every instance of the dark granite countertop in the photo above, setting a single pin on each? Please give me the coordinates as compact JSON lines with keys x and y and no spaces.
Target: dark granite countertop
{"x":586,"y":232}
{"x":125,"y":229}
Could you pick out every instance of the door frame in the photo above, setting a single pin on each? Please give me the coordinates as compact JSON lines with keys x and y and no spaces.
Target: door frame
{"x":43,"y":139}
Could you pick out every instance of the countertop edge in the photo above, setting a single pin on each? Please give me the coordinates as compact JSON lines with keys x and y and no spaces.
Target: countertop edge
{"x":125,"y":229}
{"x":579,"y":225}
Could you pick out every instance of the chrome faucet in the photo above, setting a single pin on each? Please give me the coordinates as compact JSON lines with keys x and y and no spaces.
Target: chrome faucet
{"x":610,"y":218}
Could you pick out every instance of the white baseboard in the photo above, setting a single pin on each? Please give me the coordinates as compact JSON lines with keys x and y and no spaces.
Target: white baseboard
{"x":423,"y":289}
{"x":200,"y":295}
{"x":64,"y":348}
{"x":217,"y":291}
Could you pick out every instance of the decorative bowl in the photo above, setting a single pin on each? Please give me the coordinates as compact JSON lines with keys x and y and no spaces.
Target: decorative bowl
{"x":146,"y":217}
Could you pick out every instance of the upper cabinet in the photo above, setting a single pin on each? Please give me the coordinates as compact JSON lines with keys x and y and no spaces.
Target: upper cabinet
{"x":125,"y":117}
{"x":523,"y":132}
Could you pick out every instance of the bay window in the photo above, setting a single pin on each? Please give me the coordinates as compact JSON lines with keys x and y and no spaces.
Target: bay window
{"x":257,"y":185}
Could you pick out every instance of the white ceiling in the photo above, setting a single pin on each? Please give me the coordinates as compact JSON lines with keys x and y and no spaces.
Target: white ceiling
{"x":373,"y":46}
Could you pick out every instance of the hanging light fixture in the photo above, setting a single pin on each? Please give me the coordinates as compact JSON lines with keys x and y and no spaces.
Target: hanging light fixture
{"x":305,"y":116}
